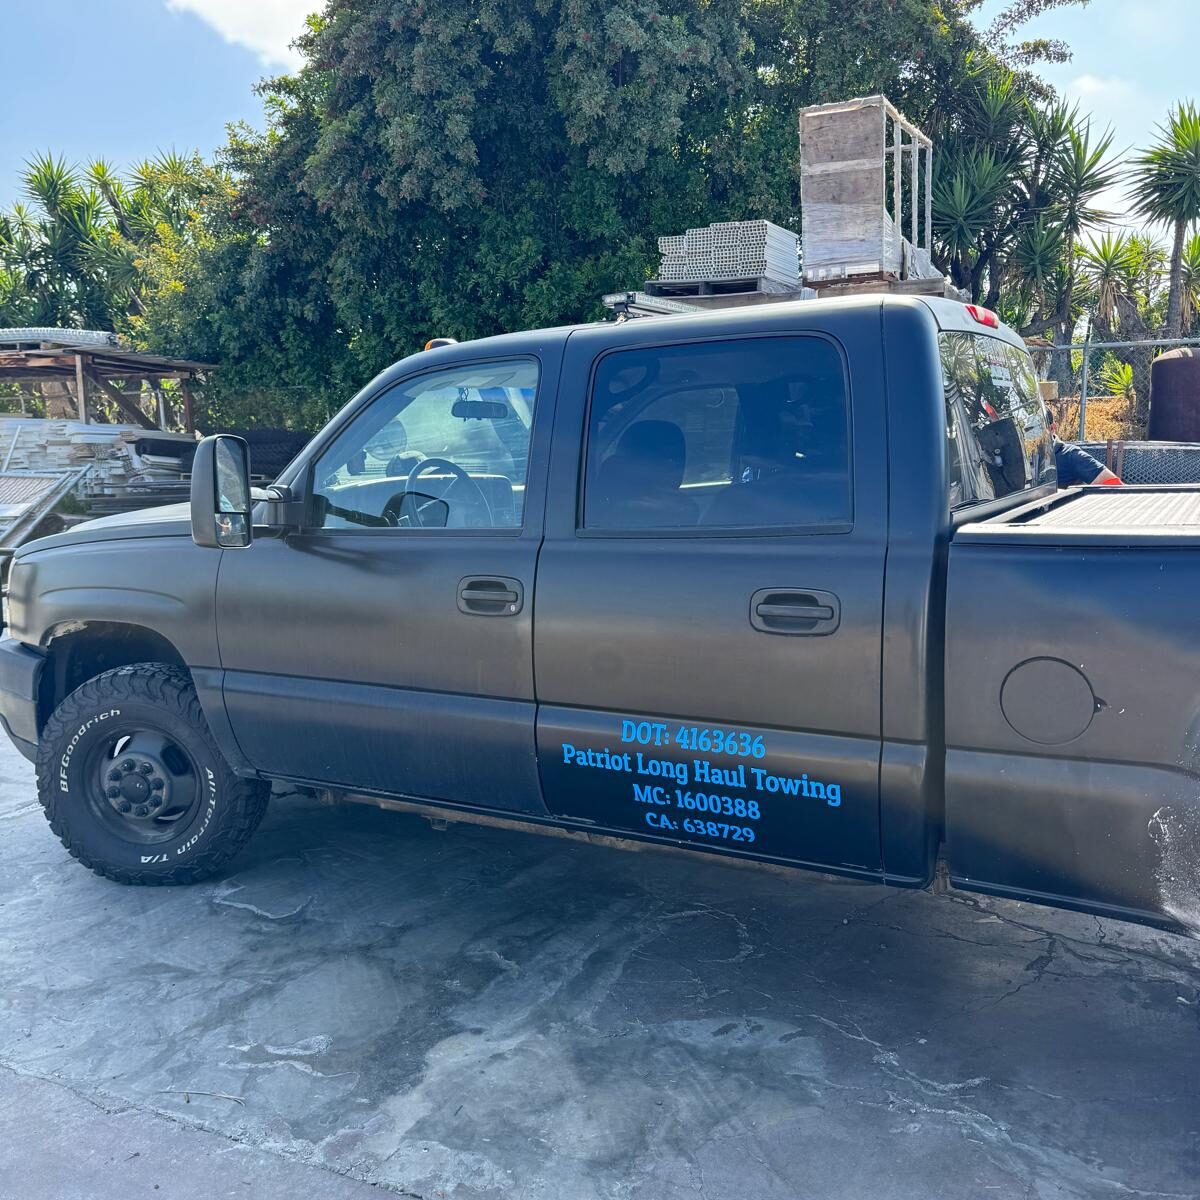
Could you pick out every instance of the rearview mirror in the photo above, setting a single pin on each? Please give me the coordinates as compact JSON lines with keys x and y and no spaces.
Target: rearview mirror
{"x":479,"y":410}
{"x":220,"y":494}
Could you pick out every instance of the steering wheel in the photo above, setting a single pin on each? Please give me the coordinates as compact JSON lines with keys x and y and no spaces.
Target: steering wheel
{"x":396,"y":507}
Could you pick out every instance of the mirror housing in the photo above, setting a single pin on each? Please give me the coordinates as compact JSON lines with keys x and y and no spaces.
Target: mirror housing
{"x":220,"y":493}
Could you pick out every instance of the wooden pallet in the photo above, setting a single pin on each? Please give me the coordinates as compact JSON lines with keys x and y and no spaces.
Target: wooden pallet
{"x":857,"y":285}
{"x":718,"y":287}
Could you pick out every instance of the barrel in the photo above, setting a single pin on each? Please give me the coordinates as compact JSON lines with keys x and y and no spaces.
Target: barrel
{"x":1175,"y":396}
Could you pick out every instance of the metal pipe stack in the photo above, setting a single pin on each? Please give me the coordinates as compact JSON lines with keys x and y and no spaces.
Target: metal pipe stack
{"x":732,"y":250}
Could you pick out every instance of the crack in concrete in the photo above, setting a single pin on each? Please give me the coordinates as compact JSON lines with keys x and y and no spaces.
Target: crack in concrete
{"x":22,"y":811}
{"x":98,"y":1099}
{"x":1078,"y":945}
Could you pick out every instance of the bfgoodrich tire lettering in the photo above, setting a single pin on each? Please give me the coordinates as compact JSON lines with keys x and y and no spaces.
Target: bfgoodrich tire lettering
{"x":134,"y":785}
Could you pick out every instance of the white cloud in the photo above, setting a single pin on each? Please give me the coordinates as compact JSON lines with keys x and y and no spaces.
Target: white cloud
{"x":264,"y":26}
{"x":1112,"y":88}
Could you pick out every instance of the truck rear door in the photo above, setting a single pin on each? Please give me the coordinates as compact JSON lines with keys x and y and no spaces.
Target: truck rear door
{"x":707,"y":631}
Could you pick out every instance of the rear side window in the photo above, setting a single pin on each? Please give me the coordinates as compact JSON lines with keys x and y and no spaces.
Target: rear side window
{"x":997,"y":439}
{"x":744,"y":434}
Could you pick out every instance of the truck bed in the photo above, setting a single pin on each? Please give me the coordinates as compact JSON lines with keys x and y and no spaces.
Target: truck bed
{"x":1143,"y":515}
{"x":1127,"y":508}
{"x":1072,"y":701}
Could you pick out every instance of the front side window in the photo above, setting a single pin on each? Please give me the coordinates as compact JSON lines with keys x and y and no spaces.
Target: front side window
{"x":998,"y":441}
{"x":447,"y":450}
{"x":748,"y":433}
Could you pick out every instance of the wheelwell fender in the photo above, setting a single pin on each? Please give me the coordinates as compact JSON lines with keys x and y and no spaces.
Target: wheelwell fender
{"x":77,"y":651}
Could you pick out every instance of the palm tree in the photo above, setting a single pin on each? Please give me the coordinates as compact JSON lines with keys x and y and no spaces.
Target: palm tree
{"x":74,"y":254}
{"x":1190,"y":304}
{"x":1167,"y":190}
{"x":1078,"y":170}
{"x":1107,"y":266}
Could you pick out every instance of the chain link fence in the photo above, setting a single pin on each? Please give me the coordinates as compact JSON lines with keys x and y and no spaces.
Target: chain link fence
{"x":1100,"y":391}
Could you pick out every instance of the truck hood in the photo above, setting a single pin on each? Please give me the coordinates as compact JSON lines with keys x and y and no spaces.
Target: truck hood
{"x":171,"y":520}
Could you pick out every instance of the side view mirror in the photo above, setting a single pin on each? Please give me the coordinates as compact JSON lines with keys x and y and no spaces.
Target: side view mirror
{"x":221,"y":500}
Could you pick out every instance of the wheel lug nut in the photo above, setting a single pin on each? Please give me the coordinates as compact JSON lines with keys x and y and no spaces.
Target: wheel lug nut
{"x":157,"y":784}
{"x":113,"y":793}
{"x":140,"y":811}
{"x":114,"y":776}
{"x":128,"y":765}
{"x":124,"y":806}
{"x":156,"y":802}
{"x":145,"y":768}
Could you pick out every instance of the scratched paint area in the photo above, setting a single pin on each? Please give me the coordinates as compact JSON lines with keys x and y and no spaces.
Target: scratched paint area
{"x":477,"y":1014}
{"x":1176,"y":832}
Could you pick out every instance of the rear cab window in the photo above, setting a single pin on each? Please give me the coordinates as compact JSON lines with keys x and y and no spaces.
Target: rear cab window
{"x":747,"y":433}
{"x":998,"y":442}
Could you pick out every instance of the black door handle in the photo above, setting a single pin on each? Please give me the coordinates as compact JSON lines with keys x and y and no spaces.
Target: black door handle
{"x":799,"y":612}
{"x":793,"y":612}
{"x":487,"y":596}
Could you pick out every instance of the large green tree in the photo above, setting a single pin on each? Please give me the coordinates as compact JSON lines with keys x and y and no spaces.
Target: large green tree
{"x":456,"y":167}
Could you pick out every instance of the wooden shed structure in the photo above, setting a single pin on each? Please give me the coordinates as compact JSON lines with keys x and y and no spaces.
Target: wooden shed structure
{"x":84,"y":368}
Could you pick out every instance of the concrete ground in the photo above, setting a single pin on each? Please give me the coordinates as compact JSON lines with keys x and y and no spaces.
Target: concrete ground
{"x":366,"y":1004}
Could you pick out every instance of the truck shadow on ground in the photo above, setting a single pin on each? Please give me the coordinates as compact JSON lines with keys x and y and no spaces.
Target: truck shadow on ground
{"x":480,"y":1013}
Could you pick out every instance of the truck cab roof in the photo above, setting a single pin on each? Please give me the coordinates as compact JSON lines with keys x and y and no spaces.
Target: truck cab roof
{"x":947,"y":314}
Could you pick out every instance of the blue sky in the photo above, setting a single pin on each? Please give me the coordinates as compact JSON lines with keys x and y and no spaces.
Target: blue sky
{"x":122,"y":79}
{"x":1133,"y":59}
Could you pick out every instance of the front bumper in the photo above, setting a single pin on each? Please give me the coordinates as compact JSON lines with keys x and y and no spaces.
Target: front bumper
{"x":20,"y":674}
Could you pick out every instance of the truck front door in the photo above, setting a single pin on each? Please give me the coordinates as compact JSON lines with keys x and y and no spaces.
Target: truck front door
{"x":708,"y":624}
{"x":387,"y":646}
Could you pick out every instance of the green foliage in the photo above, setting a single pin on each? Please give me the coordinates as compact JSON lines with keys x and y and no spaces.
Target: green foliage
{"x":1116,"y":378}
{"x":72,"y":256}
{"x":1166,"y":189}
{"x":442,"y":167}
{"x":1190,"y":283}
{"x":445,"y":167}
{"x":1167,"y":176}
{"x":1015,"y":186}
{"x":1108,"y":265}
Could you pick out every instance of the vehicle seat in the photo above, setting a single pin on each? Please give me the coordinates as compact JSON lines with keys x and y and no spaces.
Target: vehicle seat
{"x":637,"y":486}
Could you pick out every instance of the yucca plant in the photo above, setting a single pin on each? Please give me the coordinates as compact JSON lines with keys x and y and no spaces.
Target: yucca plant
{"x":966,"y":195}
{"x":1116,"y":379}
{"x":1081,"y":170}
{"x":72,"y":254}
{"x":1166,"y":190}
{"x":1190,"y":282}
{"x":1108,"y":265}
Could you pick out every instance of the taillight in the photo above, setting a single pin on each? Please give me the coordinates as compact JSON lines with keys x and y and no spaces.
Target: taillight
{"x":983,"y":316}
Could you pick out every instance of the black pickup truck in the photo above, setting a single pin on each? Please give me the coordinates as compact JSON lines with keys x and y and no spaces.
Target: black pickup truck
{"x":792,"y":583}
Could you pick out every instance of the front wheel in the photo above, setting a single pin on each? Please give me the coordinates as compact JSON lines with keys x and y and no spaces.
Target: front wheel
{"x":134,"y":785}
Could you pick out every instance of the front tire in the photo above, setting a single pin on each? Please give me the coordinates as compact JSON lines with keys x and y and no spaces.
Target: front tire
{"x":134,"y":785}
